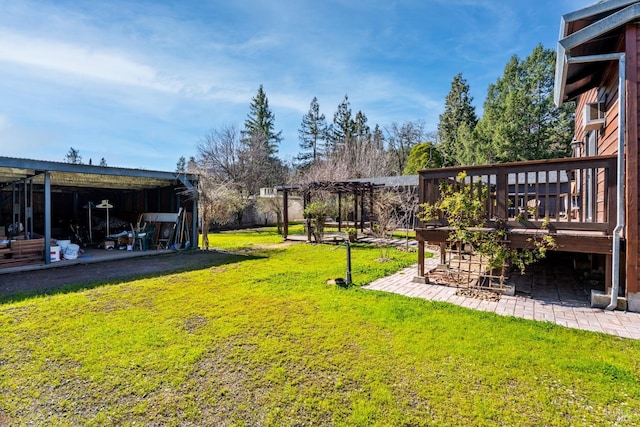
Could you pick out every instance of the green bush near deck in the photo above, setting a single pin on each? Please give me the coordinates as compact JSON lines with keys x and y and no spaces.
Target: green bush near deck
{"x":263,"y":340}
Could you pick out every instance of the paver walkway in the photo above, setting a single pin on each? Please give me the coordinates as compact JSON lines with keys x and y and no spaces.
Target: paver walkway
{"x":555,"y":307}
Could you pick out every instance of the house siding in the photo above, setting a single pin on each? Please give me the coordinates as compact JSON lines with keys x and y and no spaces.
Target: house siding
{"x":632,"y":49}
{"x":608,"y":144}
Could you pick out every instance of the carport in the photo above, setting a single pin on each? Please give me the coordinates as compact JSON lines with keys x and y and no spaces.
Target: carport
{"x":38,"y":198}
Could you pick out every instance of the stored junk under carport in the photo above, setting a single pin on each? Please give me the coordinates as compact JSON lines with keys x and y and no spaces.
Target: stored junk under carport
{"x":42,"y":202}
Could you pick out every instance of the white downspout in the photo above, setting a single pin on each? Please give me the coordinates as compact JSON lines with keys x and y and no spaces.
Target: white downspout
{"x":622,"y":113}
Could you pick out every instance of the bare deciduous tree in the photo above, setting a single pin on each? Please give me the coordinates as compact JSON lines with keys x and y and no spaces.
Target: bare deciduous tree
{"x":401,"y":139}
{"x":271,"y":206}
{"x":219,"y":154}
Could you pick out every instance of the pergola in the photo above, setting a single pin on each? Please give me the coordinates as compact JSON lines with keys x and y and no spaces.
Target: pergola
{"x":360,"y":188}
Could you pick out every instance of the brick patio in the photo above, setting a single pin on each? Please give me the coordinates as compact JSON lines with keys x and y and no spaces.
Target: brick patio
{"x":553,"y":297}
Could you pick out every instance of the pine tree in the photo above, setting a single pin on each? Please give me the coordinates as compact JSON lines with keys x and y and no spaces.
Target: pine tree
{"x":360,"y":127}
{"x":377,"y":138}
{"x":313,"y":135}
{"x":259,"y":124}
{"x":73,"y":156}
{"x":458,"y":110}
{"x":343,"y":127}
{"x":181,"y":165}
{"x":259,"y":147}
{"x":520,"y":120}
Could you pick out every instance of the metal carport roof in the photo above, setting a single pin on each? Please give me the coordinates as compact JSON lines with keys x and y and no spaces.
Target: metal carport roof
{"x":13,"y":170}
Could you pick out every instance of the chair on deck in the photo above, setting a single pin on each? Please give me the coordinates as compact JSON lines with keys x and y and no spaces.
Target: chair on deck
{"x":571,"y":203}
{"x":532,"y":208}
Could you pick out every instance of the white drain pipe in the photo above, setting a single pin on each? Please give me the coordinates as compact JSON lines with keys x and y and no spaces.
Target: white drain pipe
{"x":620,"y":207}
{"x":622,"y":113}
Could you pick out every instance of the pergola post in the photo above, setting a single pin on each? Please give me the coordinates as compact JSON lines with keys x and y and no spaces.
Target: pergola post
{"x":362,"y":212}
{"x":285,"y":213}
{"x":371,"y":207}
{"x":307,"y":200}
{"x":355,"y":208}
{"x":339,"y":211}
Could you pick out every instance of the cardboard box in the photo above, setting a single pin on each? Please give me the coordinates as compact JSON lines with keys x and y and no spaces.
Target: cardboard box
{"x":109,"y":244}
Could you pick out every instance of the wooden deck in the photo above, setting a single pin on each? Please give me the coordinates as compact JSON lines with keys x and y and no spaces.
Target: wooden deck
{"x":572,"y":199}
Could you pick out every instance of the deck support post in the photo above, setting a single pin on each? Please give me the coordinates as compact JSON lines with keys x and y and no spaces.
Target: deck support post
{"x":608,"y":271}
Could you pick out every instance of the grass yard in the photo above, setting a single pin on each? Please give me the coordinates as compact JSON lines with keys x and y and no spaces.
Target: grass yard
{"x":262,"y":340}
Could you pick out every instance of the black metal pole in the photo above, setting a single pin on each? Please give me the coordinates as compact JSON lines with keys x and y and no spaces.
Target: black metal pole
{"x":348,"y":263}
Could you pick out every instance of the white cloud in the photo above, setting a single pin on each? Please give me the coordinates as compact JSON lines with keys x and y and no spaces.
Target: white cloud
{"x":81,"y":61}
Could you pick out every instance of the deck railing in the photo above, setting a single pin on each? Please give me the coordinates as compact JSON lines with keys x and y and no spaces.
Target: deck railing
{"x":569,"y":194}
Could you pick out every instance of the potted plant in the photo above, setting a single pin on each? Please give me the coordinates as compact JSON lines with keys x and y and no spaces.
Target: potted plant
{"x":353,"y":234}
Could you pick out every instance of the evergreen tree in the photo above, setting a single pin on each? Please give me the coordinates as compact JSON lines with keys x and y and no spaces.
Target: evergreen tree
{"x":259,"y":123}
{"x":377,"y":138}
{"x":520,"y":120}
{"x":468,"y":154}
{"x":181,"y":166}
{"x":360,"y":127}
{"x":313,"y":135}
{"x":343,"y":127}
{"x":259,"y":147}
{"x":73,"y":156}
{"x":457,"y":110}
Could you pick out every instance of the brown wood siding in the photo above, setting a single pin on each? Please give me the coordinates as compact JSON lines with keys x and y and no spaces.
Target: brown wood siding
{"x":632,"y":178}
{"x":581,"y":101}
{"x":608,"y":136}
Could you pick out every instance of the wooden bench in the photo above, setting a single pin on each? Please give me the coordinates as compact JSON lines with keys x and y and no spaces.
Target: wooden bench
{"x":22,"y":252}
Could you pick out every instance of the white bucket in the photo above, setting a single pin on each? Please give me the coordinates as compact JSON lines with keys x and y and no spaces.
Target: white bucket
{"x":64,"y":244}
{"x":71,"y":252}
{"x":55,"y":253}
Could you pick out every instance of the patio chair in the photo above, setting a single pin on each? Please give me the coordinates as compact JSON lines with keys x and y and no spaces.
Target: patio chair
{"x":144,"y":237}
{"x":532,"y":208}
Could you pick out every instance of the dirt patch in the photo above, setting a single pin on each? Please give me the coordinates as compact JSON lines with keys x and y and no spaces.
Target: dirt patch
{"x":130,"y":268}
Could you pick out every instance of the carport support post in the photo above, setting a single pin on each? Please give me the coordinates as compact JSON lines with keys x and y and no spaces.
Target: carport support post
{"x":47,"y":217}
{"x":195,"y":244}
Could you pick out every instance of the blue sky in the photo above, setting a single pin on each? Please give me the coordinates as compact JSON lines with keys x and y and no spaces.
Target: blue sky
{"x":141,"y":82}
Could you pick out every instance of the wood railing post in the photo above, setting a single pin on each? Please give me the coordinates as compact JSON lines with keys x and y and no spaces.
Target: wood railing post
{"x":502,"y":194}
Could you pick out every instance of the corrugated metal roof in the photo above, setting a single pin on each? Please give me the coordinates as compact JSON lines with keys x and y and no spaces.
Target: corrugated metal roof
{"x":85,"y":176}
{"x":391,"y":181}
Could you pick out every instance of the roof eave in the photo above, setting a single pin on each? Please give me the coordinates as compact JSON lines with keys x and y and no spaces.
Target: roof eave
{"x":594,"y":9}
{"x":568,"y":42}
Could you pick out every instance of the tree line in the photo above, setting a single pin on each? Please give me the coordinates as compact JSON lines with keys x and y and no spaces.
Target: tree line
{"x":519,"y":122}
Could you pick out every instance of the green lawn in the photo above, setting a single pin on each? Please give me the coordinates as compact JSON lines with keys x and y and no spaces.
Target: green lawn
{"x":262,"y":340}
